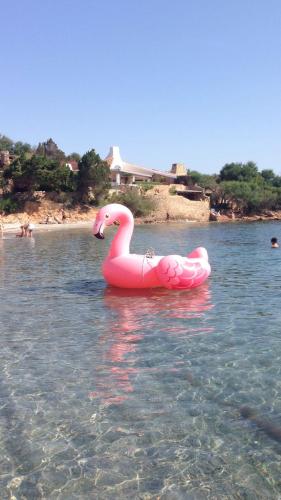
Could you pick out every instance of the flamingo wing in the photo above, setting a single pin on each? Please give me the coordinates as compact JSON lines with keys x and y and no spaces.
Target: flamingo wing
{"x":178,"y":272}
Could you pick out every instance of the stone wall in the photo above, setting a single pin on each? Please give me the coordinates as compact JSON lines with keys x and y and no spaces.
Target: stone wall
{"x":174,"y":207}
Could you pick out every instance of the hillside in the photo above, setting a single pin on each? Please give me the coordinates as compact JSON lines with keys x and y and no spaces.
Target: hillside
{"x":167,"y":207}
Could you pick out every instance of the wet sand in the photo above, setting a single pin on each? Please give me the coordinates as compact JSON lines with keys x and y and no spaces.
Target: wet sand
{"x":15,"y":227}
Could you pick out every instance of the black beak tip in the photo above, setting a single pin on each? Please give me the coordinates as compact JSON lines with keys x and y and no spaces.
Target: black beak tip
{"x":100,"y":236}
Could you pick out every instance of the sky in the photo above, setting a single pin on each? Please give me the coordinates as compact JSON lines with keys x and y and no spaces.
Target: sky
{"x":192,"y":81}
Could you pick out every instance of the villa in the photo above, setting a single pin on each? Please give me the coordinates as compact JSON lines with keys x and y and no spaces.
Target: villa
{"x":123,"y":172}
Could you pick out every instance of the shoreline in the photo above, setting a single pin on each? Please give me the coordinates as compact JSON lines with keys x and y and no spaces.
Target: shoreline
{"x":14,"y":227}
{"x":42,"y":228}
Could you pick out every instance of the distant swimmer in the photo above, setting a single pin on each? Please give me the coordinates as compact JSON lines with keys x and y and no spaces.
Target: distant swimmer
{"x":22,"y":232}
{"x":274,"y":243}
{"x":30,"y":228}
{"x":26,"y":230}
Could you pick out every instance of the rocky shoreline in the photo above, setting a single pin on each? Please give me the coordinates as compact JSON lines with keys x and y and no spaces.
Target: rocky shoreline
{"x":266,"y":216}
{"x":74,"y":222}
{"x":48,"y":214}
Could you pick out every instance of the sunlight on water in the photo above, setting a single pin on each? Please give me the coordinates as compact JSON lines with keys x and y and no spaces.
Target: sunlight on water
{"x":108,"y":393}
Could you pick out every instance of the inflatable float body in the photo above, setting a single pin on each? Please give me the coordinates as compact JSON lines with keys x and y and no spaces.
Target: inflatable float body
{"x":125,"y":270}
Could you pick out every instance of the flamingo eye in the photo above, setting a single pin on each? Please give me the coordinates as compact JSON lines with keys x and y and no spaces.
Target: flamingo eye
{"x":107,"y":216}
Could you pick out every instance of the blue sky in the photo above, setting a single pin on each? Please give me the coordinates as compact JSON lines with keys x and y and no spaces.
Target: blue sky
{"x":193,"y":81}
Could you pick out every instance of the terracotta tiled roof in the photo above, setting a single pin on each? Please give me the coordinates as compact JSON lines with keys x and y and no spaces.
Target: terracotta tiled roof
{"x":73,"y":165}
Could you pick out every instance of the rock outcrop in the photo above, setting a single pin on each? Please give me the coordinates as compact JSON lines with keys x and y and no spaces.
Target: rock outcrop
{"x":52,"y":212}
{"x":174,"y":207}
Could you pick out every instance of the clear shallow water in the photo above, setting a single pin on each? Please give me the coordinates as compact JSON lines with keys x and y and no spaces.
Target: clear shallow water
{"x":114,"y":394}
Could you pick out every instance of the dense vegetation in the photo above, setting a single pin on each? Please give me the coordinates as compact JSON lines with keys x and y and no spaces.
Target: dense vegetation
{"x":239,"y":186}
{"x":17,"y":148}
{"x":93,"y":178}
{"x":37,"y":173}
{"x":242,"y":187}
{"x":45,"y":169}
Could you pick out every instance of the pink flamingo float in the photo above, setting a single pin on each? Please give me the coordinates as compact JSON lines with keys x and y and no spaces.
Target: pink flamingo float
{"x":125,"y":270}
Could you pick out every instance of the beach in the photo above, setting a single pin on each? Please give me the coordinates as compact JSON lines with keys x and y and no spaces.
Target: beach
{"x":15,"y":227}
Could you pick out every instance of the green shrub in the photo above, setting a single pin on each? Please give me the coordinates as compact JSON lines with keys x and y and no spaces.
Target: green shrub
{"x":139,"y":205}
{"x":146,"y":185}
{"x":8,"y":205}
{"x":173,"y":190}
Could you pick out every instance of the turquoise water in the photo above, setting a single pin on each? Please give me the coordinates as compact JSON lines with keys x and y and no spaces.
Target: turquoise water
{"x":112,"y":394}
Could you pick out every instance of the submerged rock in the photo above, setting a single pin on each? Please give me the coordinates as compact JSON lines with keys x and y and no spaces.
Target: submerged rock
{"x":272,"y":430}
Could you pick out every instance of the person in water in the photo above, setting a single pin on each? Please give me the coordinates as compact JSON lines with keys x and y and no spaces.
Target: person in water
{"x":274,"y":243}
{"x":30,"y":228}
{"x":26,"y":230}
{"x":22,"y":233}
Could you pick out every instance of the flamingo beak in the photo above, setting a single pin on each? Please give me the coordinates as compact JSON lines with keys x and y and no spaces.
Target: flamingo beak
{"x":99,"y":235}
{"x":98,"y":231}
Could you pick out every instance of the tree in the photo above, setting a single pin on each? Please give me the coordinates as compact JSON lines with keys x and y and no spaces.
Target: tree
{"x":49,"y":149}
{"x":94,"y":175}
{"x":249,"y":171}
{"x":16,"y":148}
{"x":20,"y":173}
{"x":250,"y":196}
{"x":5,"y":143}
{"x":38,"y":173}
{"x":74,"y":156}
{"x":20,"y":148}
{"x":204,"y":180}
{"x":268,"y":175}
{"x":231,"y":172}
{"x":239,"y":171}
{"x":277,"y":181}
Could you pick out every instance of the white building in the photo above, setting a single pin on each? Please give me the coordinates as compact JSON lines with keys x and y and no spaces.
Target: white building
{"x":124,"y":172}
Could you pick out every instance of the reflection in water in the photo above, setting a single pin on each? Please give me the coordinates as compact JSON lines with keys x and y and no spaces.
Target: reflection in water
{"x":174,"y":304}
{"x":135,"y":312}
{"x":2,"y":251}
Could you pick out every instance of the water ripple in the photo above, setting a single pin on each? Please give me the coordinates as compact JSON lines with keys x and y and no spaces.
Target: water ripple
{"x":108,"y":393}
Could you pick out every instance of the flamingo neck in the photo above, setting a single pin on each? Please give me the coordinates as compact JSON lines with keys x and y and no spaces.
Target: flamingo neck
{"x":121,"y":241}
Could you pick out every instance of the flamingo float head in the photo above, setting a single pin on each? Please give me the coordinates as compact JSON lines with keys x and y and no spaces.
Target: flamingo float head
{"x":109,"y":215}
